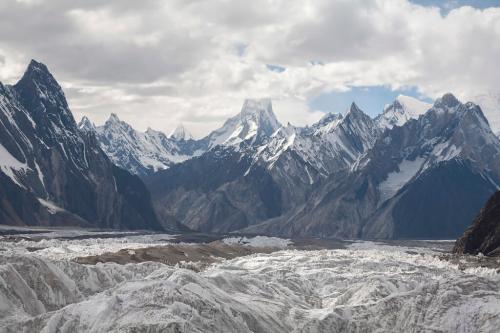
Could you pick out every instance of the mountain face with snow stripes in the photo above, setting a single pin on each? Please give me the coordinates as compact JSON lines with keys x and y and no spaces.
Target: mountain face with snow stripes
{"x":425,"y":179}
{"x":416,"y":170}
{"x":144,"y":153}
{"x":258,"y":168}
{"x":51,"y":173}
{"x":141,"y":153}
{"x":345,"y":176}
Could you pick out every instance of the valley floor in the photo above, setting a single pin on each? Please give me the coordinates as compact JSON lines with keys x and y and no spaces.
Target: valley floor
{"x":82,"y":281}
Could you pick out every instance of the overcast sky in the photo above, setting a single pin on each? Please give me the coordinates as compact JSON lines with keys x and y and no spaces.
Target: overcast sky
{"x":158,"y":63}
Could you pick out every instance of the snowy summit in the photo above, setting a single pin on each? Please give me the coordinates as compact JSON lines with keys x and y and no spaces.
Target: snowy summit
{"x":181,"y":133}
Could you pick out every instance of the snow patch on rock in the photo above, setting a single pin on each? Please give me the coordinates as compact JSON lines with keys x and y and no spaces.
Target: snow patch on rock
{"x":397,"y":179}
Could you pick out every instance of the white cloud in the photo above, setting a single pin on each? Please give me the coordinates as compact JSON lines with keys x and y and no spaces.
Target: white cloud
{"x":157,"y":63}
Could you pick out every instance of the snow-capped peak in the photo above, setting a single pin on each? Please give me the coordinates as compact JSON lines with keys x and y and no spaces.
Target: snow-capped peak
{"x":181,"y":133}
{"x":142,"y":152}
{"x":327,"y":123}
{"x":86,"y":125}
{"x":413,"y":105}
{"x":115,"y":123}
{"x":255,"y":121}
{"x":353,"y":109}
{"x":113,"y":118}
{"x":261,"y":106}
{"x":401,"y":110}
{"x":355,"y":115}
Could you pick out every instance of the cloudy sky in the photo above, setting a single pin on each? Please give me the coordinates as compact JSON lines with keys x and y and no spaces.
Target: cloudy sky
{"x":158,"y":63}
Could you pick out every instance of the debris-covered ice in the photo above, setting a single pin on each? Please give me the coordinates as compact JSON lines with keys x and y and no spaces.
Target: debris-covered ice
{"x":368,"y":287}
{"x":259,"y":241}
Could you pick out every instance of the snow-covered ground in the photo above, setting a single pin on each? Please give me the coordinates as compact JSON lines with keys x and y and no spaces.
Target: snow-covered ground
{"x":64,"y":244}
{"x":259,"y":241}
{"x":368,"y":287}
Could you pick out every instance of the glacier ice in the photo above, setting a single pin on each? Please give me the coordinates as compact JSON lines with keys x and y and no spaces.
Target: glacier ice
{"x":367,"y":287}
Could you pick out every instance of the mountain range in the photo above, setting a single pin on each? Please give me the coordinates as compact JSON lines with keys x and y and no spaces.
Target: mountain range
{"x":52,"y":173}
{"x":417,"y":170}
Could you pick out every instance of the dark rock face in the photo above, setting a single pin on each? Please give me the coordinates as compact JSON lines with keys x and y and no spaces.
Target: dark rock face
{"x":215,"y":193}
{"x":424,"y":179}
{"x":442,"y":213}
{"x":52,"y":173}
{"x":239,"y":184}
{"x":342,"y":177}
{"x":345,"y":176}
{"x":483,"y":236}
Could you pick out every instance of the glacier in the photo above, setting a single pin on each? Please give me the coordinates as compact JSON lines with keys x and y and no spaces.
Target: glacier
{"x":365,"y":287}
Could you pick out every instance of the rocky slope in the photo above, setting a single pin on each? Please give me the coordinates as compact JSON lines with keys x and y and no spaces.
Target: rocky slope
{"x":399,"y":175}
{"x":483,"y":236}
{"x":426,"y":179}
{"x":261,"y":174}
{"x":51,"y":173}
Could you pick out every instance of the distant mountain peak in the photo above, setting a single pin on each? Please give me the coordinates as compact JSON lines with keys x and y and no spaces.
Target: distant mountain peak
{"x":354,"y":108}
{"x":401,"y":110}
{"x":86,"y":125}
{"x":330,"y":116}
{"x":37,"y":66}
{"x":260,"y":110}
{"x":113,"y":117}
{"x":254,"y":105}
{"x":328,"y":122}
{"x":57,"y":173}
{"x":43,"y":97}
{"x":38,"y":73}
{"x":355,"y":113}
{"x":181,"y":133}
{"x":448,"y":100}
{"x":396,"y":104}
{"x":255,"y":121}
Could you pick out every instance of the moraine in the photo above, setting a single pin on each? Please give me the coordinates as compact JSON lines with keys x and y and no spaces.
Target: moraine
{"x":362,"y":287}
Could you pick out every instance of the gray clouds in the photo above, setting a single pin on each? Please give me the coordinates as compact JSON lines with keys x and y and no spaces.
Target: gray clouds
{"x":157,"y":63}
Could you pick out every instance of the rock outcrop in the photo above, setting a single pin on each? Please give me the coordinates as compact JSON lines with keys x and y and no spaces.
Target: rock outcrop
{"x":483,"y":236}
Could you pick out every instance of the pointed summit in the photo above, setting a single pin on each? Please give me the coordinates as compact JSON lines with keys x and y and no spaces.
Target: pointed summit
{"x":37,"y":66}
{"x":181,"y":133}
{"x":86,"y":125}
{"x":354,"y":108}
{"x":43,"y":97}
{"x":117,"y":124}
{"x":260,"y":111}
{"x":37,"y":73}
{"x":113,"y":117}
{"x":355,"y":112}
{"x":255,"y":121}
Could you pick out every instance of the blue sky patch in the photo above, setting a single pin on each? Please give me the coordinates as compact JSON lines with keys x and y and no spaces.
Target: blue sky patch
{"x":447,"y":5}
{"x":275,"y":68}
{"x":370,"y":99}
